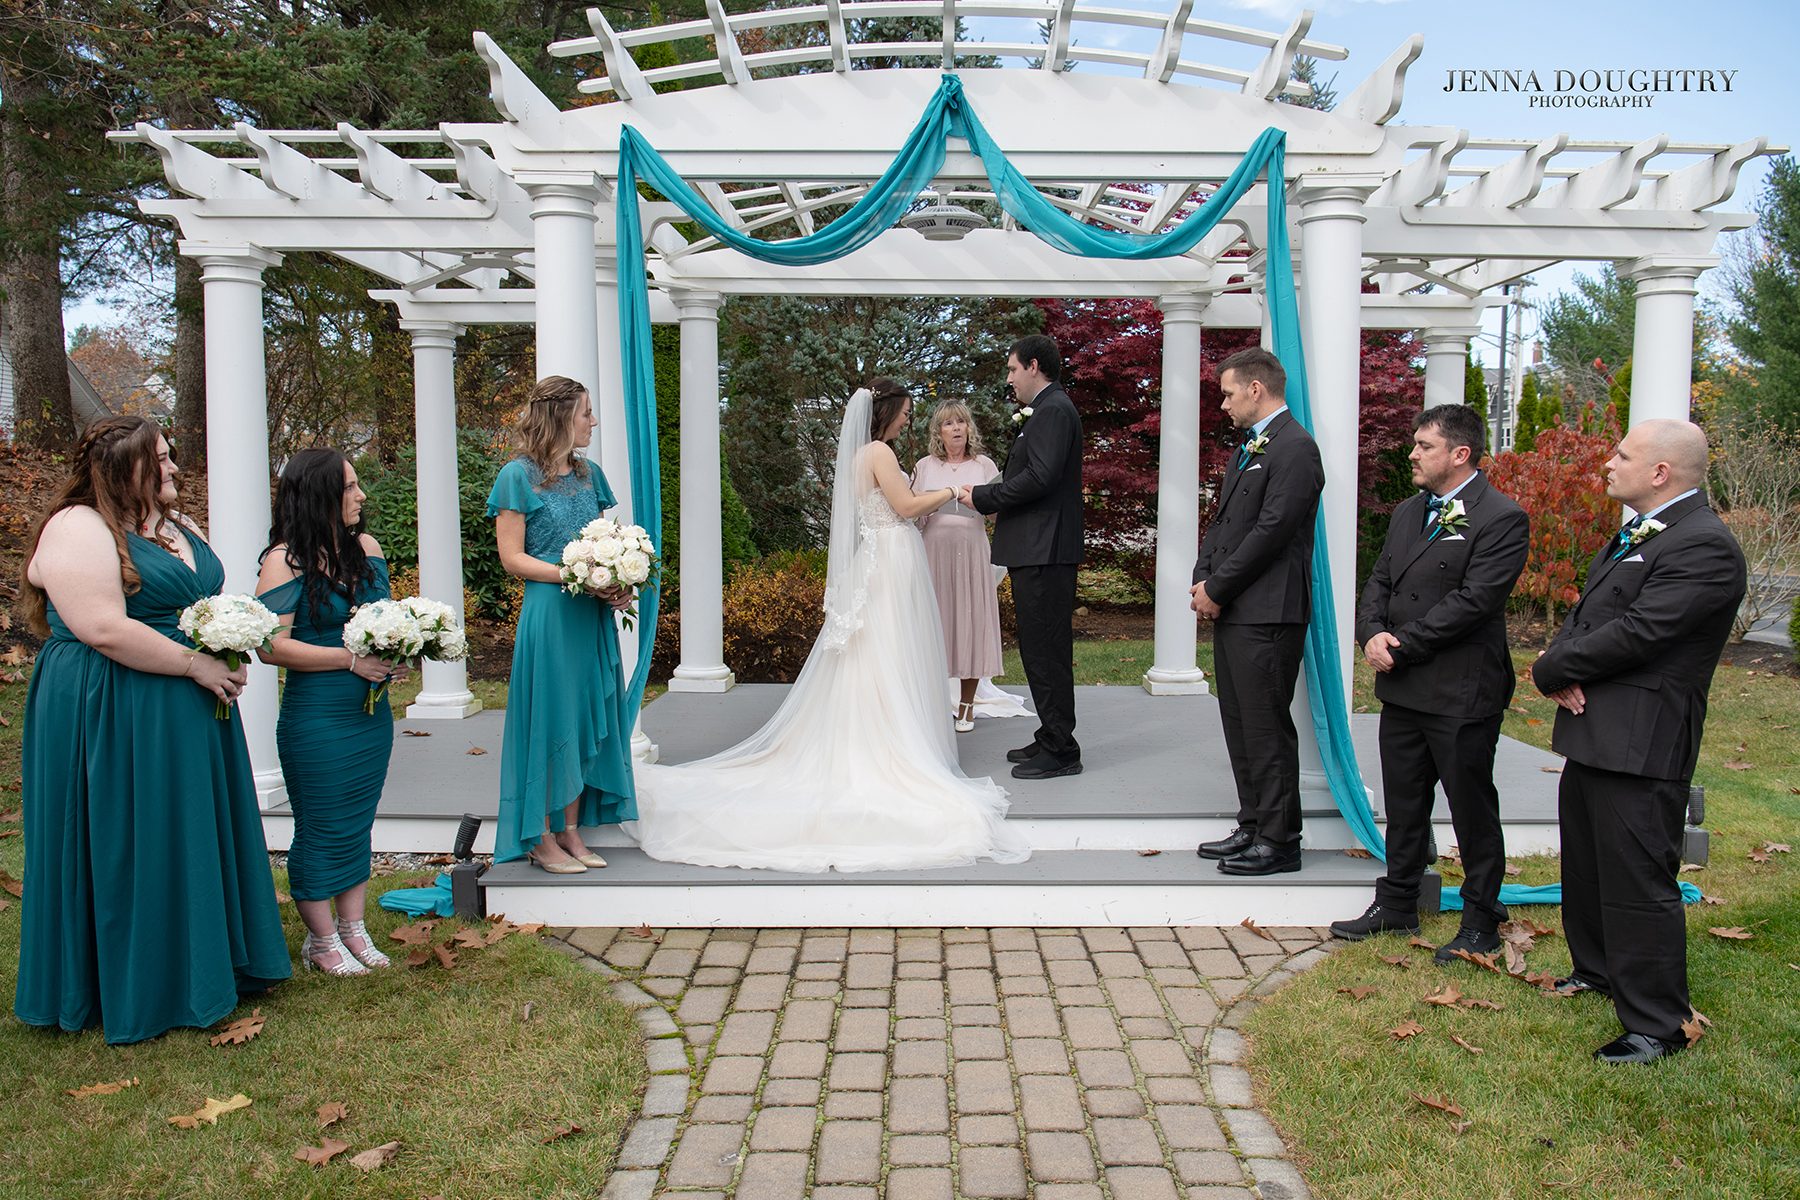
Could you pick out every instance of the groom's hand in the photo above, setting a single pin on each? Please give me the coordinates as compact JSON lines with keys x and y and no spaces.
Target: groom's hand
{"x":965,"y":496}
{"x":1203,"y":603}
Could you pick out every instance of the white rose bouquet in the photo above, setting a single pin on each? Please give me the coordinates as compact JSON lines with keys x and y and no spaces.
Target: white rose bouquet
{"x":228,"y":627}
{"x":606,"y":554}
{"x":445,"y":640}
{"x":387,"y":630}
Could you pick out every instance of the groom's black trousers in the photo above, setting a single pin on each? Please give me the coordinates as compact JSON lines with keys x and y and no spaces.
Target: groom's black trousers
{"x":1044,"y":602}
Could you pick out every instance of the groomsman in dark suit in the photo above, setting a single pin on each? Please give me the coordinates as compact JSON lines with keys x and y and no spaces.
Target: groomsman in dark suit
{"x":1253,"y":580}
{"x":1629,"y":671}
{"x":1433,"y":625}
{"x":1038,"y":538}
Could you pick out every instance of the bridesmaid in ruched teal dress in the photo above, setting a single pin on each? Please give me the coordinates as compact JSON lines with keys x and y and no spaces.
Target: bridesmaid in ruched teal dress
{"x":148,"y":902}
{"x":567,"y":755}
{"x":319,"y":566}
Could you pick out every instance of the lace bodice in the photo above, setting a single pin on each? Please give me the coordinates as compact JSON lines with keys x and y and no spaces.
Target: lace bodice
{"x":876,"y":513}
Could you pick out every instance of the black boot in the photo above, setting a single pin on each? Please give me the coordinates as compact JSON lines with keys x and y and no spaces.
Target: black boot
{"x":1475,"y":941}
{"x":1376,"y":920}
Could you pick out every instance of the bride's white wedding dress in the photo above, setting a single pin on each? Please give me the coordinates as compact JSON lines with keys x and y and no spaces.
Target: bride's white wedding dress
{"x":857,"y":770}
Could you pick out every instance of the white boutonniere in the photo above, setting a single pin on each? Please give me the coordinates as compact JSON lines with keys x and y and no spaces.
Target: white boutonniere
{"x":1023,"y":415}
{"x":1452,"y":517}
{"x":1637,"y":537}
{"x":1257,"y":444}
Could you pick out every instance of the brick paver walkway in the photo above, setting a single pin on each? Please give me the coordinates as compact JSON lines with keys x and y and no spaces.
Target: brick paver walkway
{"x":926,"y":1064}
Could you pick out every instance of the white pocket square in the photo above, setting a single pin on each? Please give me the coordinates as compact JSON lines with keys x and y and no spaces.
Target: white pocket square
{"x":1455,"y":537}
{"x":1252,"y":467}
{"x":1635,"y":558}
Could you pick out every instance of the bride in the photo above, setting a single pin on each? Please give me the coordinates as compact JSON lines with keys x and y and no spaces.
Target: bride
{"x":857,"y":770}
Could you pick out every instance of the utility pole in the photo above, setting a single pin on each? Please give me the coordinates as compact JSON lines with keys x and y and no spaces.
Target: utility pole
{"x":1501,"y":393}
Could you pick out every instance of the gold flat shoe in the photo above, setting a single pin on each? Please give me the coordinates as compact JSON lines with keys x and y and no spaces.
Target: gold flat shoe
{"x":558,"y":868}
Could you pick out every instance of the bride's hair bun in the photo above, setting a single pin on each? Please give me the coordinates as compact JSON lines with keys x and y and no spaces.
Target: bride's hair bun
{"x":887,"y":397}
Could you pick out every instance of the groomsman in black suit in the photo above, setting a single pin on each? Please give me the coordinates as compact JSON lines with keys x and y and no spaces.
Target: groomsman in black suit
{"x":1630,"y":669}
{"x":1253,"y":580}
{"x":1433,"y":625}
{"x":1038,"y":538}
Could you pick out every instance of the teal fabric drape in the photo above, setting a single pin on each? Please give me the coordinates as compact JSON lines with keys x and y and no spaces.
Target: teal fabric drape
{"x":1549,"y":893}
{"x":918,"y":162}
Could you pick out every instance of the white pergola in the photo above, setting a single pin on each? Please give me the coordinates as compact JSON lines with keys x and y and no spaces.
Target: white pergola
{"x":530,"y":197}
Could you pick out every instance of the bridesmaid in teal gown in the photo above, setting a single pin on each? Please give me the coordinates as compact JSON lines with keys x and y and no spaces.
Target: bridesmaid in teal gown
{"x":566,"y":760}
{"x":319,"y":566}
{"x":148,"y":902}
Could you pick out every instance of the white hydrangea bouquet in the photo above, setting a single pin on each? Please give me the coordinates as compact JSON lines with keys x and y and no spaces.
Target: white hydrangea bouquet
{"x":384,"y":629}
{"x":445,"y":640}
{"x":228,"y":627}
{"x":606,"y":553}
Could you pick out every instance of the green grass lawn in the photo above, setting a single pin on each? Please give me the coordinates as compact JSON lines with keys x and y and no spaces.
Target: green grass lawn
{"x":1542,"y":1117}
{"x":1105,"y":662}
{"x":442,"y":1061}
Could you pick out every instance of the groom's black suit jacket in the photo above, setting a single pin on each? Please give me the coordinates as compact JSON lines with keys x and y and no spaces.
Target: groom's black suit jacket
{"x":1445,"y":599}
{"x":1643,"y":643}
{"x":1038,"y":495}
{"x":1256,"y":558}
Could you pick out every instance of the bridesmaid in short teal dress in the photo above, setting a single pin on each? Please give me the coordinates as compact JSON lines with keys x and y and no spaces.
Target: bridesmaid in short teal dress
{"x":334,"y":755}
{"x":148,"y":902}
{"x":566,"y":760}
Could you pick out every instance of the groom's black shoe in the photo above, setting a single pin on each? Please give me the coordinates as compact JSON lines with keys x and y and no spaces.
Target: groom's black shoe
{"x":1024,"y":753}
{"x":1042,"y":766}
{"x":1236,"y":842}
{"x":1261,"y":859}
{"x":1636,"y":1048}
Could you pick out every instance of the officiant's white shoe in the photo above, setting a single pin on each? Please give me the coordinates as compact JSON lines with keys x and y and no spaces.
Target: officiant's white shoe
{"x":965,"y":717}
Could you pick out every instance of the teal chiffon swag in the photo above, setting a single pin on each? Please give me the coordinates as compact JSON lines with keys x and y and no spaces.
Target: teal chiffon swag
{"x":568,"y":728}
{"x":334,"y":755}
{"x":148,"y":900}
{"x":918,"y":163}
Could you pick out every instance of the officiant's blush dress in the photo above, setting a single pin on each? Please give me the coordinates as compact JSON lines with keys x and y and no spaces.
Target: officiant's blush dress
{"x":568,"y":736}
{"x":148,"y":900}
{"x":857,"y":770}
{"x":962,"y":572}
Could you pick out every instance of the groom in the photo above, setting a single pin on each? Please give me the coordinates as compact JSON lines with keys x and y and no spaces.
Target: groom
{"x":1038,"y":539}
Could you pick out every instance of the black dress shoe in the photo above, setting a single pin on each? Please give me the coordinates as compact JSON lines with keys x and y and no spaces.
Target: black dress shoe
{"x":1042,"y":766}
{"x":1475,"y":941}
{"x":1575,"y":985}
{"x":1236,"y":842}
{"x":1261,"y":859}
{"x":1024,"y":753}
{"x":1636,"y":1048}
{"x":1376,"y":920}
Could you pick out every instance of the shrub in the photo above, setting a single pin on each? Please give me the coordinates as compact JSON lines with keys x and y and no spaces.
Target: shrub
{"x":393,"y":514}
{"x":1110,"y":585}
{"x":773,"y":612}
{"x":1794,"y":623}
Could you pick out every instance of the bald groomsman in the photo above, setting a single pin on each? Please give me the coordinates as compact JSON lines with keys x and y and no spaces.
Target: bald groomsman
{"x":1629,"y":671}
{"x":1433,"y":625}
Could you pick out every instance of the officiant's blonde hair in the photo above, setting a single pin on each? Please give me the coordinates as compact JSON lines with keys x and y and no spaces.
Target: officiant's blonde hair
{"x":934,"y":429}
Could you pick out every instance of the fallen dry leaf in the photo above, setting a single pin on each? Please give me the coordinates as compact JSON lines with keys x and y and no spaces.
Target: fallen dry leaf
{"x":1542,"y":979}
{"x":1515,"y":708}
{"x":563,"y":1131}
{"x":1737,"y":764}
{"x":101,"y":1089}
{"x":1403,"y":961}
{"x":380,"y":1156}
{"x":1445,"y":996}
{"x":1515,"y":956}
{"x":1148,"y":853}
{"x":282,"y":897}
{"x":1357,"y":852}
{"x":12,"y":885}
{"x":1460,"y":1127}
{"x":1471,"y":1048}
{"x":419,"y":881}
{"x":1736,"y":933}
{"x":323,"y":1153}
{"x":528,"y":930}
{"x":12,"y":833}
{"x":241,"y":1030}
{"x":1777,"y":847}
{"x":1421,"y":943}
{"x":1551,"y":770}
{"x":1258,"y":930}
{"x":1706,"y":899}
{"x":1533,"y":721}
{"x":1472,"y":1002}
{"x":643,"y":931}
{"x":1442,"y":1103}
{"x":419,"y":957}
{"x":332,"y":1113}
{"x":210,"y":1111}
{"x":1690,"y":867}
{"x":526,"y":1015}
{"x":411,"y":935}
{"x":1693,"y":1029}
{"x":415,"y":733}
{"x":1485,"y":961}
{"x":445,"y":958}
{"x":15,"y":815}
{"x":1512,"y":870}
{"x":1758,"y":856}
{"x":471,"y":750}
{"x":1405,"y":1030}
{"x":470,"y":939}
{"x":502,"y":927}
{"x":1362,"y":992}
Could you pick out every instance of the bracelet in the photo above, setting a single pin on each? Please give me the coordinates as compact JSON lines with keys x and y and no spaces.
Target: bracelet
{"x":188,"y":671}
{"x":352,"y":654}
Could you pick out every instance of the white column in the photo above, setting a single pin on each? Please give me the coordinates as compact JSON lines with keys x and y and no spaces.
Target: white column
{"x":1662,"y":347}
{"x":1331,"y":221}
{"x":1173,"y":672}
{"x":445,"y":693}
{"x":562,"y":226}
{"x":237,"y":464}
{"x":1446,"y":358}
{"x":702,"y":666}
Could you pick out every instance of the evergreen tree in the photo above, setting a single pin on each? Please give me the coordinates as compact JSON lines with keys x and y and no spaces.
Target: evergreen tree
{"x":1475,"y":390}
{"x":1594,"y":322}
{"x":1532,"y":416}
{"x":1767,"y":291}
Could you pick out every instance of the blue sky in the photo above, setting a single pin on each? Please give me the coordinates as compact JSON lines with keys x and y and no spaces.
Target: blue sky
{"x":1754,"y":38}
